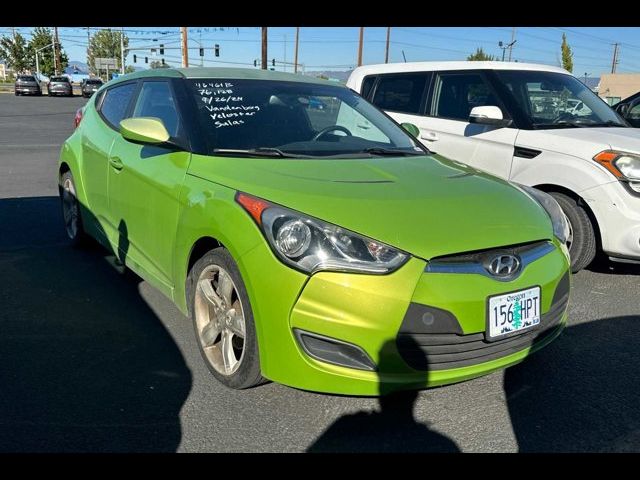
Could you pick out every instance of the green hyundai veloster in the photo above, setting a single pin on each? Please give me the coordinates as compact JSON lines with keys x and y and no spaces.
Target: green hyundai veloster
{"x":311,"y":239}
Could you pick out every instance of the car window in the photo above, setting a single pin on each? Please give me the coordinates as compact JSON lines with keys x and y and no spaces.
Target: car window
{"x":156,"y":100}
{"x":634,"y":112}
{"x":456,"y":94}
{"x":26,"y":78}
{"x":367,"y":84}
{"x":556,"y":100}
{"x":400,"y":93}
{"x":298,"y":118}
{"x":115,"y":103}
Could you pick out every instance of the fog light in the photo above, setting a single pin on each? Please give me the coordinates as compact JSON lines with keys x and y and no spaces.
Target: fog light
{"x":334,"y":351}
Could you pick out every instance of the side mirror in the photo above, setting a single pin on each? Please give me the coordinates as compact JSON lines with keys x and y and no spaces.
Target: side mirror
{"x":488,"y":115}
{"x":411,"y":128}
{"x":149,"y":130}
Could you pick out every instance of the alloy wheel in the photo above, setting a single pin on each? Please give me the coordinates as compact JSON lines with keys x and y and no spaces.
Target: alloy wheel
{"x":220,"y":321}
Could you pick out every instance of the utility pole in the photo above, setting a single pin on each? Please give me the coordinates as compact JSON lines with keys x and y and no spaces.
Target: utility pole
{"x":295,"y":59}
{"x":360,"y":46}
{"x":386,"y":50}
{"x":56,"y":50}
{"x":122,"y":50}
{"x":614,"y":63}
{"x":285,"y":53}
{"x":185,"y":50}
{"x":513,"y":40}
{"x":264,"y":48}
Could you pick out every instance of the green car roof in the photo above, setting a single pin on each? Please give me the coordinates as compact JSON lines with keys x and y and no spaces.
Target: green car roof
{"x":219,"y":72}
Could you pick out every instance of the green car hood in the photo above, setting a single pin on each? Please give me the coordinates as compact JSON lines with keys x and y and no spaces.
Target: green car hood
{"x":425,"y":205}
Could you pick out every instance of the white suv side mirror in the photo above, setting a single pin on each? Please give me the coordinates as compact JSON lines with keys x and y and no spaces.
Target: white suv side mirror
{"x":488,"y":115}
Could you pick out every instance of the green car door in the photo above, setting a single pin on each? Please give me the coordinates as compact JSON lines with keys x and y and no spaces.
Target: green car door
{"x":144,"y":188}
{"x":96,"y":147}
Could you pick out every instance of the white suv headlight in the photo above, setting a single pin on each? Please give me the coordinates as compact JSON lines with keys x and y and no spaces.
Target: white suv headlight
{"x":313,"y":245}
{"x":624,"y":166}
{"x":558,"y":218}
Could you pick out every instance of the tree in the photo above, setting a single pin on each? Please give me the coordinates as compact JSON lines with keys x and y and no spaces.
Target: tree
{"x":480,"y":56}
{"x":105,"y":44}
{"x":567,"y":54}
{"x":129,"y":69}
{"x":159,"y":64}
{"x":13,"y":49}
{"x":41,"y":37}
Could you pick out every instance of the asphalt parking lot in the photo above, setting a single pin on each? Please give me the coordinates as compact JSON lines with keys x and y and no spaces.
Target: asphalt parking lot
{"x":93,"y":359}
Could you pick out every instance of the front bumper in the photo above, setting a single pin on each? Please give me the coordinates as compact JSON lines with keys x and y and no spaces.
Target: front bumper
{"x":367,"y":311}
{"x":618,"y":215}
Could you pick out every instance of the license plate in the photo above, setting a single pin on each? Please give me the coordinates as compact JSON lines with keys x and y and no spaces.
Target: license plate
{"x":513,"y":312}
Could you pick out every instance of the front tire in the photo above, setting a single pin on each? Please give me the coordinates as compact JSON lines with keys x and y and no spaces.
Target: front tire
{"x":223,"y":320}
{"x":582,"y":242}
{"x":71,"y":211}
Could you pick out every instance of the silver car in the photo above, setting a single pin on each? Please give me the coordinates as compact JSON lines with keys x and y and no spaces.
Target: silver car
{"x":60,"y":86}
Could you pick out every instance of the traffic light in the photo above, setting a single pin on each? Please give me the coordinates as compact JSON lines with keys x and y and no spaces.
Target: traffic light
{"x":273,"y":62}
{"x":146,"y":59}
{"x":201,"y":52}
{"x":216,"y":50}
{"x":135,"y":59}
{"x":255,"y":63}
{"x":163,"y":61}
{"x":161,"y":49}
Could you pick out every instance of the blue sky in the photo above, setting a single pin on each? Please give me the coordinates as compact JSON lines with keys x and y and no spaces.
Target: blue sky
{"x":335,"y":48}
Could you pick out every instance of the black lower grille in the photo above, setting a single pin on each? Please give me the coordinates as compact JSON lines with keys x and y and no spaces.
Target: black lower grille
{"x":440,"y":351}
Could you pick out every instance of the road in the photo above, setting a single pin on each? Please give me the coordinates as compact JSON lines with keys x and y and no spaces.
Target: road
{"x":93,"y":359}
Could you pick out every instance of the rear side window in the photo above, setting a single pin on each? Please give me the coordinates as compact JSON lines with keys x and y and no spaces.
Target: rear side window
{"x":400,"y":93}
{"x":367,"y":85}
{"x":115,"y":103}
{"x":456,"y":94}
{"x":156,"y":100}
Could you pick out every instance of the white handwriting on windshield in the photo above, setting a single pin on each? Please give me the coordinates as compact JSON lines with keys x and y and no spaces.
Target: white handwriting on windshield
{"x":224,"y":106}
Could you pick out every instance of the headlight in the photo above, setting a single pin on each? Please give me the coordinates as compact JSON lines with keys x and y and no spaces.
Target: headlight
{"x":312,"y":245}
{"x":558,"y":218}
{"x":621,"y":164}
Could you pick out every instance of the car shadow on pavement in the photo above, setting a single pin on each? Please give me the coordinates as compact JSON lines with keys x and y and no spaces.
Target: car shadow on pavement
{"x":586,"y":399}
{"x":392,"y":428}
{"x":86,"y":364}
{"x":602,"y":264}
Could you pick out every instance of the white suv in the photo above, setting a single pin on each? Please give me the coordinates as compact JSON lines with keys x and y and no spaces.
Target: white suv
{"x":522,"y":122}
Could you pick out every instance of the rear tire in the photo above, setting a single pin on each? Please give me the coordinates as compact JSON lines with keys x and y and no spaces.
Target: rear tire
{"x":223,"y":321}
{"x":582,"y":248}
{"x":71,"y":211}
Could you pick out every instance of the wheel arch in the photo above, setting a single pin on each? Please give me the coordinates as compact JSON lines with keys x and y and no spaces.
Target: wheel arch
{"x":550,"y":187}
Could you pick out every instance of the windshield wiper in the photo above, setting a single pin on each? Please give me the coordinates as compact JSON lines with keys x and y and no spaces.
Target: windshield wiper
{"x":390,"y":151}
{"x":608,"y":123}
{"x":260,"y":152}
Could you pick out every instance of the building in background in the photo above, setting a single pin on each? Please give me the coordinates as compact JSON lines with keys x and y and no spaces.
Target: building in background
{"x":616,"y":86}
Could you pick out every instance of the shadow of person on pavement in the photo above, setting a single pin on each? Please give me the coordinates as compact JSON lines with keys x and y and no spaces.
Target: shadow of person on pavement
{"x":581,"y":392}
{"x":86,"y":365}
{"x":392,"y":428}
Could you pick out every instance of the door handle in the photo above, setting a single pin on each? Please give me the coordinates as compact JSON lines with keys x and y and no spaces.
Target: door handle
{"x":431,"y":136}
{"x":363,"y":126}
{"x":116,"y":163}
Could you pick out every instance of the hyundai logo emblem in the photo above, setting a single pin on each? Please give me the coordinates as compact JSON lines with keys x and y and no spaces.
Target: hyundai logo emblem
{"x":504,"y":265}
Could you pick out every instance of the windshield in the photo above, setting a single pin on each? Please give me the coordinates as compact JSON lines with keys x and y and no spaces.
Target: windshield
{"x":556,"y":100}
{"x":26,"y":78}
{"x":277,"y":118}
{"x":94,"y":82}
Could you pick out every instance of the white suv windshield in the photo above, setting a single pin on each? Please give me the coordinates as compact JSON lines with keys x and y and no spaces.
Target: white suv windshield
{"x":556,"y":100}
{"x":294,"y":119}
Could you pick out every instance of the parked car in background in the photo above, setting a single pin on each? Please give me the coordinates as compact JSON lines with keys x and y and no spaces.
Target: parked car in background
{"x":89,"y":86}
{"x":305,"y":249}
{"x":535,"y":125}
{"x":60,"y":86}
{"x":27,"y":85}
{"x":629,"y":109}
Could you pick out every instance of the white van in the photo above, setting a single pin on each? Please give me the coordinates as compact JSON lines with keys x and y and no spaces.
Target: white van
{"x":532,"y":124}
